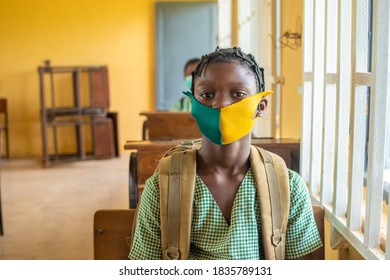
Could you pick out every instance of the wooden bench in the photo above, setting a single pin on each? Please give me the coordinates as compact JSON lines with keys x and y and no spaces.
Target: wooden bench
{"x":112,"y":230}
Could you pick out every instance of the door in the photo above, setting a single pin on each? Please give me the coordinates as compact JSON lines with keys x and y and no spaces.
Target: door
{"x":183,"y":31}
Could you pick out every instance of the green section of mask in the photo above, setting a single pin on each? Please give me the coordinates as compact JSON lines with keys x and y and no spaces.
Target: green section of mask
{"x":207,"y":119}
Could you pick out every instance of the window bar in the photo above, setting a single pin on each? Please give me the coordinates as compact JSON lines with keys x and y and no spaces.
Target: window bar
{"x":328,"y":148}
{"x":278,"y":67}
{"x":379,"y":97}
{"x":356,"y":148}
{"x":305,"y":146}
{"x":387,"y":116}
{"x":329,"y":105}
{"x":255,"y":32}
{"x":224,"y":23}
{"x":343,"y":94}
{"x":318,"y":96}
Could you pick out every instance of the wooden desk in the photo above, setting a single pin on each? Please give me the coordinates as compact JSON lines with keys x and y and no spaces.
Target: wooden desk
{"x":165,"y":125}
{"x":146,"y":155}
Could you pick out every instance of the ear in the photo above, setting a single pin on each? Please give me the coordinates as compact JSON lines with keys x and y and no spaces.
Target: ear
{"x":261,"y":107}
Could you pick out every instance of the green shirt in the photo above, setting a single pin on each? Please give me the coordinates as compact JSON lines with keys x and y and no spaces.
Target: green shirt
{"x":213,"y":238}
{"x":182,"y":105}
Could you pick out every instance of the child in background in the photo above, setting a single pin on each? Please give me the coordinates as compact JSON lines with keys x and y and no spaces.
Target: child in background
{"x":184,"y":103}
{"x":226,"y":221}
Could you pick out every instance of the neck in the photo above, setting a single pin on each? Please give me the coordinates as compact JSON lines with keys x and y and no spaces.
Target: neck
{"x":230,"y":158}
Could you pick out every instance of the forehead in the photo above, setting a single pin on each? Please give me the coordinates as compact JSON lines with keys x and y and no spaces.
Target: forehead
{"x":228,"y":71}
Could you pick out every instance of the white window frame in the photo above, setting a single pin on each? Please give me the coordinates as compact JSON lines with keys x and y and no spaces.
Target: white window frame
{"x":255,"y":23}
{"x":225,"y":23}
{"x":333,"y":171}
{"x":256,"y":19}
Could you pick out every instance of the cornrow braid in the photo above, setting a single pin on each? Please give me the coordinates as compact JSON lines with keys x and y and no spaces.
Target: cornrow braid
{"x":229,"y":55}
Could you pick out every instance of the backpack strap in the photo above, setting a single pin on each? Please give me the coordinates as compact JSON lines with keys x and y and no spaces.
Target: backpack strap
{"x":177,"y":174}
{"x":272,"y":182}
{"x":174,"y":206}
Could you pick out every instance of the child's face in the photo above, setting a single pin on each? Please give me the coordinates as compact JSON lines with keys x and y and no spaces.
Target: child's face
{"x":223,"y":84}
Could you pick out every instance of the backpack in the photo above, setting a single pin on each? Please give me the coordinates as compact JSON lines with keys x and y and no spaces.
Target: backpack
{"x":177,"y":173}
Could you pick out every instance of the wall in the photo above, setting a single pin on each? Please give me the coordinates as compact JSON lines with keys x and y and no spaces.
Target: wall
{"x":119,"y":34}
{"x":291,"y":100}
{"x":349,"y":253}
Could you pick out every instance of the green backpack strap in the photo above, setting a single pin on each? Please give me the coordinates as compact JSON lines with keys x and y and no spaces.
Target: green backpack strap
{"x":272,"y":182}
{"x":177,"y":173}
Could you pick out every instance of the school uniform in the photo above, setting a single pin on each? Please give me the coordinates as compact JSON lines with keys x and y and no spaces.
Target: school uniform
{"x":213,"y":238}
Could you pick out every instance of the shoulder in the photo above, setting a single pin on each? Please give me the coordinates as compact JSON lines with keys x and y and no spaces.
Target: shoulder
{"x":151,"y":189}
{"x":152,"y":180}
{"x":296,"y":181}
{"x":299,"y":193}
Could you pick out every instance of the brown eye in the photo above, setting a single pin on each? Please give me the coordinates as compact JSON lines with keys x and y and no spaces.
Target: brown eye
{"x":207,"y":95}
{"x":239,"y":94}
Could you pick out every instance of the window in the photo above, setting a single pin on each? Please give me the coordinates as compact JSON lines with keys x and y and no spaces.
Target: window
{"x":254,"y":26}
{"x":251,"y":22}
{"x":224,"y":23}
{"x":345,"y":128}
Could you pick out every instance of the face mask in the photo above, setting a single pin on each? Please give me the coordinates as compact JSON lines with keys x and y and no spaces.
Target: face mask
{"x":228,"y":124}
{"x":188,"y":81}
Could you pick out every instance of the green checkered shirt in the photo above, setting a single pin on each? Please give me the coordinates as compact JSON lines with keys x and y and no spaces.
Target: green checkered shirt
{"x":212,"y":238}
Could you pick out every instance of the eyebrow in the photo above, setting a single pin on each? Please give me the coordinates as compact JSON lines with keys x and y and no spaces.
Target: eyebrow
{"x":240,"y":83}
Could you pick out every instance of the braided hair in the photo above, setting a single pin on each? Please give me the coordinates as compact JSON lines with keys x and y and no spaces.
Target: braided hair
{"x":230,"y":55}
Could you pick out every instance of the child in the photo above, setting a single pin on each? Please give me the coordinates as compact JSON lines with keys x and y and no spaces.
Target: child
{"x":184,"y":103}
{"x":226,"y":219}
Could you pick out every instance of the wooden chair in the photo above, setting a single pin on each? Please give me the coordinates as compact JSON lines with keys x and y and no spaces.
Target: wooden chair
{"x":4,"y":126}
{"x":142,"y":165}
{"x":112,"y":230}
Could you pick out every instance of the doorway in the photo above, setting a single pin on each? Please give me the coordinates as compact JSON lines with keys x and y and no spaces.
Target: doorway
{"x":183,"y":31}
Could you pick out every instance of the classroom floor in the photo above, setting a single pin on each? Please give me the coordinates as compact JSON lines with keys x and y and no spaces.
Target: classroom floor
{"x":48,"y":212}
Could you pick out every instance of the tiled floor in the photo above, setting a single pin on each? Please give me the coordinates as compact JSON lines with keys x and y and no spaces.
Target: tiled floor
{"x":48,"y":212}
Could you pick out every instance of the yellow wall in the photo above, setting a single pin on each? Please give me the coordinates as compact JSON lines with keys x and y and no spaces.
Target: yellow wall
{"x":349,"y":253}
{"x":291,"y":101}
{"x":119,"y":34}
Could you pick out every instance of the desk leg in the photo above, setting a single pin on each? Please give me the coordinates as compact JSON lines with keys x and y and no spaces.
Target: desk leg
{"x":133,"y":187}
{"x":1,"y":213}
{"x":1,"y":216}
